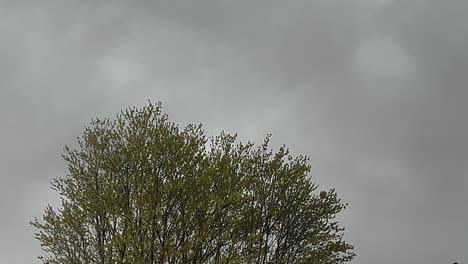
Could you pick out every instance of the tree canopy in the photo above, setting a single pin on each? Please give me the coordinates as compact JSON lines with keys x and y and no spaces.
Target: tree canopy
{"x":140,"y":189}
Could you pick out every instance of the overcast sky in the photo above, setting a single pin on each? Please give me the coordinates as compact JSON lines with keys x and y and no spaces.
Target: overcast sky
{"x":373,"y":91}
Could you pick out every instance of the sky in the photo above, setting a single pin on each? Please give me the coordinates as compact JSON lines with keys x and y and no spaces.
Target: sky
{"x":373,"y":91}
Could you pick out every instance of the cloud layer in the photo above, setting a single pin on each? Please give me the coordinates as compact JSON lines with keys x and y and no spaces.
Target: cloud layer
{"x":373,"y":91}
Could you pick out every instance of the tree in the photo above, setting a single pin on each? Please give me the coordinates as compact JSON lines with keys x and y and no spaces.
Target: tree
{"x":141,"y":190}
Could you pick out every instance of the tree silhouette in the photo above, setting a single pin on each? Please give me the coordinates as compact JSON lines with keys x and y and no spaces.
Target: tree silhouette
{"x":141,"y":190}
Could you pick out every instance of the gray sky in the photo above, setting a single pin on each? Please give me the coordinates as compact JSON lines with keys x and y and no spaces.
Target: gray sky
{"x":373,"y":90}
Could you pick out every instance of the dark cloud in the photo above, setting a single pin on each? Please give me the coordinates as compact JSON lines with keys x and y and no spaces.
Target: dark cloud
{"x":373,"y":91}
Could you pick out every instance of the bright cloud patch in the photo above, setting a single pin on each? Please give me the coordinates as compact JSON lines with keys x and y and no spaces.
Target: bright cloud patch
{"x":381,"y":58}
{"x":121,"y":72}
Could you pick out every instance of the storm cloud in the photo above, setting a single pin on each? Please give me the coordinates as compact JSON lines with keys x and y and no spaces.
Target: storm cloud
{"x":372,"y":90}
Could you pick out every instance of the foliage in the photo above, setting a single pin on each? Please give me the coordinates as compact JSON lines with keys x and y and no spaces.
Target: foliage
{"x":141,"y":190}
